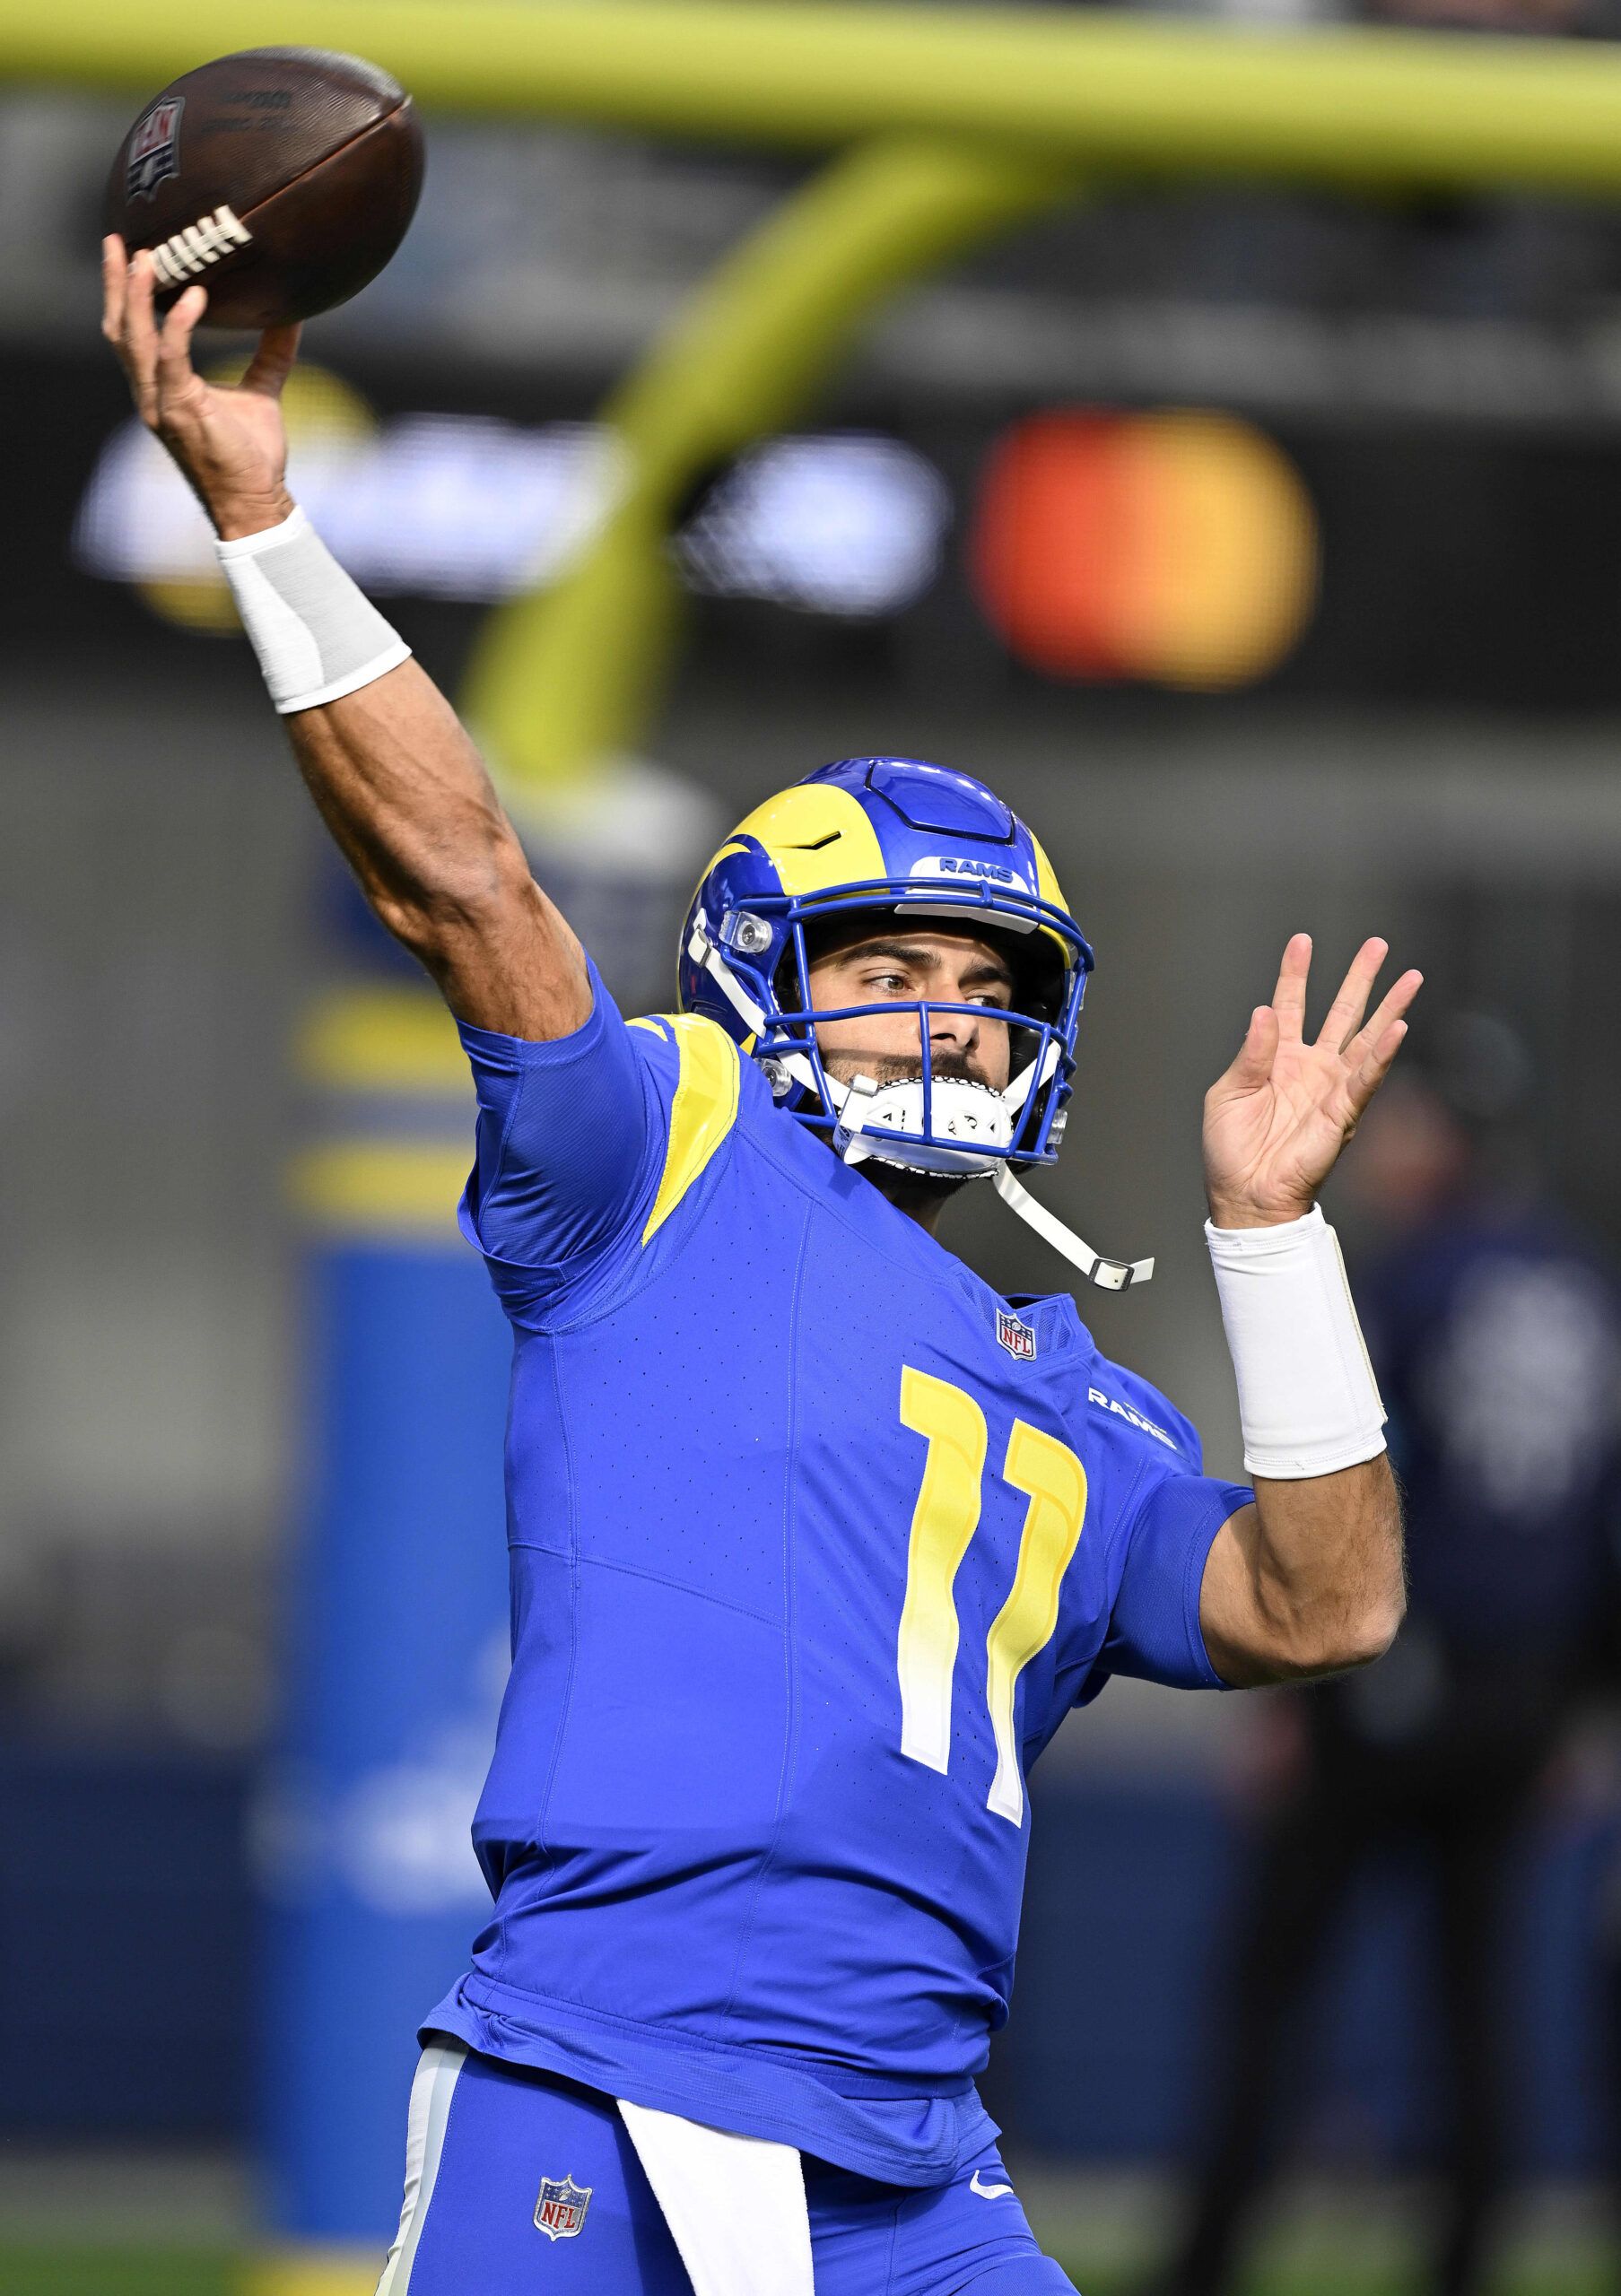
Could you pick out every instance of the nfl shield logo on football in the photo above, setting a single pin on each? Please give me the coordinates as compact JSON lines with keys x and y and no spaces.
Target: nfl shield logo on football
{"x":153,"y":153}
{"x":560,"y":2210}
{"x":1017,"y":1338}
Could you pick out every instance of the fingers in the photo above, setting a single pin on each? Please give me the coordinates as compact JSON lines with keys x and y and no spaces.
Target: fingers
{"x":1253,"y":1065}
{"x":1396,"y":1001}
{"x":1392,"y":1006}
{"x":1289,"y":997}
{"x":272,"y":362}
{"x":1345,"y":1014}
{"x":1377,"y":1045}
{"x":137,"y":337}
{"x":115,"y":277}
{"x":175,"y":371}
{"x":156,"y":358}
{"x":1373,"y":1069}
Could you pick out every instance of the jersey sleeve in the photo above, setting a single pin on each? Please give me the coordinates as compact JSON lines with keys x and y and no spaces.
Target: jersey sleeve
{"x":569,"y":1139}
{"x":1163,"y":1536}
{"x":1154,"y":1629}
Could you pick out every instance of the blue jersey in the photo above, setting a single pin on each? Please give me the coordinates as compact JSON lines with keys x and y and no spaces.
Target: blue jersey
{"x":814,"y":1541}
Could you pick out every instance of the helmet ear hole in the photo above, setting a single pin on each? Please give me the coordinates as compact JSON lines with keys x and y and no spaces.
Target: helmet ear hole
{"x":1039,"y":983}
{"x":818,"y":934}
{"x":792,"y":994}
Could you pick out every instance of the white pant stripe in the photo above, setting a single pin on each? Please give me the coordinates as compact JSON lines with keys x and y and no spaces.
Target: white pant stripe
{"x":430,"y":2092}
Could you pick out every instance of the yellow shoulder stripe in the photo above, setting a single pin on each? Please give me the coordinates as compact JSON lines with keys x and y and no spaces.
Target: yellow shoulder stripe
{"x":653,"y":1027}
{"x":703,"y":1111}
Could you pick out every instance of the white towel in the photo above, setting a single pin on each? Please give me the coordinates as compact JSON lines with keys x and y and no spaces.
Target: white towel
{"x":735,"y":2205}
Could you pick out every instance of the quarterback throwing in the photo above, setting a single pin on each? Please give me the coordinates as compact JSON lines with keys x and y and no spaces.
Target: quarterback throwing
{"x":816,"y":1539}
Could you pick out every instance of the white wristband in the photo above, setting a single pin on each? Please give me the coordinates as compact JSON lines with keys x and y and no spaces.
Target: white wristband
{"x":1307,"y":1396}
{"x":318,"y":636}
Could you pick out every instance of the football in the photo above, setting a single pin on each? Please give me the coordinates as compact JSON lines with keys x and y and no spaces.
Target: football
{"x":282,"y":178}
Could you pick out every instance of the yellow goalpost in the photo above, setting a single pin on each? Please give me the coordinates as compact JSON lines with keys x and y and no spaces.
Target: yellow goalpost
{"x":946,"y":125}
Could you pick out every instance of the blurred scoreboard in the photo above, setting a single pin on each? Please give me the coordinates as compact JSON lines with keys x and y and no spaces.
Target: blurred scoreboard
{"x":1060,"y":544}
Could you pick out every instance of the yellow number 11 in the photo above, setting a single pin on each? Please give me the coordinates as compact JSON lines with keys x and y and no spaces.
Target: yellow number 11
{"x":943,"y":1524}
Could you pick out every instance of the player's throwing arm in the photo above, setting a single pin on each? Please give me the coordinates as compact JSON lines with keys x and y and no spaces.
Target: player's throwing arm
{"x":397,"y":780}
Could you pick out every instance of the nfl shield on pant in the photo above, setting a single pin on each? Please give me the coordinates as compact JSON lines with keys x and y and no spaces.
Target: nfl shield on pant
{"x":560,"y":2210}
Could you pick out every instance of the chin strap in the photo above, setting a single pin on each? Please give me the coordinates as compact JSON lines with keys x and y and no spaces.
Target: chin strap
{"x":704,"y":952}
{"x":852,"y":1146}
{"x":1029,"y":1078}
{"x":1108,"y":1275}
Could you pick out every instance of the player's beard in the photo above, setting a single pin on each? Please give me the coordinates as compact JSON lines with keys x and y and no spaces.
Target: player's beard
{"x":913,"y":1192}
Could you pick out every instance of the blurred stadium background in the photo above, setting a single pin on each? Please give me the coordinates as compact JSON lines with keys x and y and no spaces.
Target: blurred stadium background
{"x":1262,"y":546}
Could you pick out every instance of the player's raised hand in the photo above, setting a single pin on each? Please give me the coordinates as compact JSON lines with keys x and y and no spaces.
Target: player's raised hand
{"x":1277,"y":1121}
{"x":229,"y":443}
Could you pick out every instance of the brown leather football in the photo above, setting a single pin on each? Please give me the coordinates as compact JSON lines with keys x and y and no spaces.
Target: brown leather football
{"x":282,"y":178}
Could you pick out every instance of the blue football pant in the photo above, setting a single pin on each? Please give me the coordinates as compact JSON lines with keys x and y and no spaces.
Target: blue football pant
{"x":485,"y":2136}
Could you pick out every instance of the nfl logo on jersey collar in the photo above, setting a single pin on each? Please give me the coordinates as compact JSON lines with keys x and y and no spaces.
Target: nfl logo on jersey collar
{"x":1018,"y":1338}
{"x":560,"y":2210}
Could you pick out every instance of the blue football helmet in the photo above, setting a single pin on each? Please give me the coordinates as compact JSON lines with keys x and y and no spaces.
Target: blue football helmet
{"x":897,"y":837}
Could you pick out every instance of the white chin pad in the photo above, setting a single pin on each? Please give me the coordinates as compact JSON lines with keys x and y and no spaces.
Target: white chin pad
{"x":966,"y":1119}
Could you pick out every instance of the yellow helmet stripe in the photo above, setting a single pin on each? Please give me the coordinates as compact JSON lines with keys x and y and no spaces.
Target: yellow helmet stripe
{"x":817,"y":837}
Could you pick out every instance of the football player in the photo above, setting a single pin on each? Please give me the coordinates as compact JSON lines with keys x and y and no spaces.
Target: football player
{"x":815,"y":1540}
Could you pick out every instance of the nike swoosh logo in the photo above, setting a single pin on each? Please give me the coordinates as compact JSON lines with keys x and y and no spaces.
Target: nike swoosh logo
{"x":986,"y":2192}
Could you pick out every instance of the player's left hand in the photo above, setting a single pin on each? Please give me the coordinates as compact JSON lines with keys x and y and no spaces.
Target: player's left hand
{"x":1277,"y":1121}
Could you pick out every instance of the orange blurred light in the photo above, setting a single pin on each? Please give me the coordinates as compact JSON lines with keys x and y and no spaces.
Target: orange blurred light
{"x":1180,"y":548}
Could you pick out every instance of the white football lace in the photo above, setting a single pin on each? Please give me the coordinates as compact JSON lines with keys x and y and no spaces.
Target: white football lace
{"x":201,"y":243}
